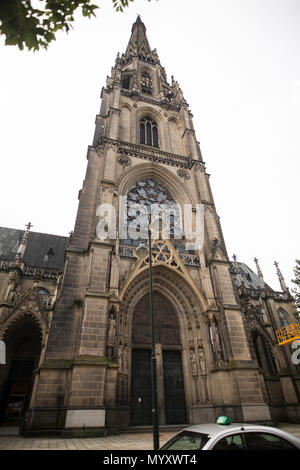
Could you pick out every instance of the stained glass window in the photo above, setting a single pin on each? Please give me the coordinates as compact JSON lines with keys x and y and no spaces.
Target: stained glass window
{"x":148,"y":197}
{"x":283,"y":318}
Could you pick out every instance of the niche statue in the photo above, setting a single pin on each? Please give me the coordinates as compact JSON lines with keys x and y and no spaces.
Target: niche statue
{"x":111,"y":334}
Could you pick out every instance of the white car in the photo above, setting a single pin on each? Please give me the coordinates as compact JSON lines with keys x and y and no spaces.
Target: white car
{"x":233,"y":436}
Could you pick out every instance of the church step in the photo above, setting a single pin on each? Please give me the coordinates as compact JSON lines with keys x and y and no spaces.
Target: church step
{"x":9,"y":430}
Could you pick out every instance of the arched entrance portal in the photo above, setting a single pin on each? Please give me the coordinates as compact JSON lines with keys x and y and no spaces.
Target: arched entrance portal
{"x":171,"y":394}
{"x":23,"y":346}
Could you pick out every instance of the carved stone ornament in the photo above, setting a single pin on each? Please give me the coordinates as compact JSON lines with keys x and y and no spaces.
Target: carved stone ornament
{"x":183,"y":174}
{"x":201,"y":358}
{"x":124,"y":161}
{"x":254,"y":312}
{"x":120,"y":357}
{"x":111,"y":330}
{"x":193,"y":362}
{"x":146,"y":82}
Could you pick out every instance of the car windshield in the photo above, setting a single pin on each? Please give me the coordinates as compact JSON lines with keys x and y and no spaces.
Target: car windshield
{"x":186,"y":440}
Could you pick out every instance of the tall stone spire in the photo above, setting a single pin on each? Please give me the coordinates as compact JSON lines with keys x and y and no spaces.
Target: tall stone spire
{"x":281,"y":279}
{"x":259,"y":273}
{"x":237,"y":270}
{"x":23,"y":243}
{"x":138,"y":41}
{"x":16,"y":269}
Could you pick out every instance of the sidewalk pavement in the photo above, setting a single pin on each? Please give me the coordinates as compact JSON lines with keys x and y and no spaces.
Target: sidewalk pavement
{"x":134,"y":441}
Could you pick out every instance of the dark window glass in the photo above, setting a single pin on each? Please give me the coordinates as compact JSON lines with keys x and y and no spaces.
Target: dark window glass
{"x":233,"y":442}
{"x":269,"y":358}
{"x":266,"y":441}
{"x":283,"y":318}
{"x":149,"y":136}
{"x":126,"y":82}
{"x":148,"y":132}
{"x":264,"y":355}
{"x":142,"y":133}
{"x":187,"y":440}
{"x":155,"y":136}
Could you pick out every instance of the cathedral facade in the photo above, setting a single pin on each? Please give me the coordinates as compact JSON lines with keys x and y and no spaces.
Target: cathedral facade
{"x":74,"y":311}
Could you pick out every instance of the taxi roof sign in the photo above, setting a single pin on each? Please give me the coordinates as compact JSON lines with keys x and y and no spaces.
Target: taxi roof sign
{"x":223,"y":420}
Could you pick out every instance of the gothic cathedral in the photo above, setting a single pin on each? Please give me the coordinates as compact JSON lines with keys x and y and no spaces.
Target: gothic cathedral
{"x":74,"y":311}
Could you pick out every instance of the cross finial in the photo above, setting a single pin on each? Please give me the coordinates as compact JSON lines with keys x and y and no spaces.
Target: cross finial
{"x":28,"y":226}
{"x":234,"y":257}
{"x":277,"y":269}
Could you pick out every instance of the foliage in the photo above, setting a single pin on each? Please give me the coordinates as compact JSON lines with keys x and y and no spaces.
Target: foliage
{"x":34,"y":23}
{"x":119,"y":5}
{"x":296,"y":290}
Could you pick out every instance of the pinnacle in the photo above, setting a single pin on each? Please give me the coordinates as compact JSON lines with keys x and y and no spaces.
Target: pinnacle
{"x":138,"y":41}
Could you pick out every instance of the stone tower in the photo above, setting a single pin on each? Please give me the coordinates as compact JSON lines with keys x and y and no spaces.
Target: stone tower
{"x":95,"y":374}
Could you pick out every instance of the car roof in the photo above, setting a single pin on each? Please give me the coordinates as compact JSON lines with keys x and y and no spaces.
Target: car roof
{"x":214,"y":429}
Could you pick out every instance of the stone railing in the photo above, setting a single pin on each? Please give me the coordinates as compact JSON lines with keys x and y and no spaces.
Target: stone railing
{"x":32,"y":271}
{"x":141,"y":97}
{"x":50,"y":273}
{"x":188,"y":260}
{"x":250,"y":292}
{"x":149,"y":153}
{"x":255,"y":293}
{"x":5,"y":264}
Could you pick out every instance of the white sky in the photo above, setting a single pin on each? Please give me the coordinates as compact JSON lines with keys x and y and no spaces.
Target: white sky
{"x":237,"y":62}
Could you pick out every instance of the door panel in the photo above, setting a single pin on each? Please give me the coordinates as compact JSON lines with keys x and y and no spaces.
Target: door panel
{"x":175,"y":408}
{"x":18,"y":386}
{"x":141,"y":398}
{"x":15,"y":404}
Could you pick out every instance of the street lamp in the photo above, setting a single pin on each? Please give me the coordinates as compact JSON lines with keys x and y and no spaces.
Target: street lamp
{"x":141,"y":252}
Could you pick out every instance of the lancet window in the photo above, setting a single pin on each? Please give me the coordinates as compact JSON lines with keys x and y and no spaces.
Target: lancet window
{"x":126,"y":82}
{"x":148,"y":132}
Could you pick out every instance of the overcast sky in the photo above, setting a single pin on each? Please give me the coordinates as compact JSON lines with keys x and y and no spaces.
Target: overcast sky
{"x":238,"y":64}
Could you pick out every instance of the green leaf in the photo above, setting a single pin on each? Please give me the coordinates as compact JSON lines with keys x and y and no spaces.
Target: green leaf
{"x":22,"y":24}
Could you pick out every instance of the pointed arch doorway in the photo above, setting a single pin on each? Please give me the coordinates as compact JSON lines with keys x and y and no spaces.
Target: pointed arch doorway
{"x":23,"y":341}
{"x":170,"y":383}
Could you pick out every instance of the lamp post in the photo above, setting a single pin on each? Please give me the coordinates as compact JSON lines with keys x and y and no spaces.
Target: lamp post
{"x":141,"y":252}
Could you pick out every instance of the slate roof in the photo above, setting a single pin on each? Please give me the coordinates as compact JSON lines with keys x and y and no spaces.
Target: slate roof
{"x":249,"y":277}
{"x":42,"y":250}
